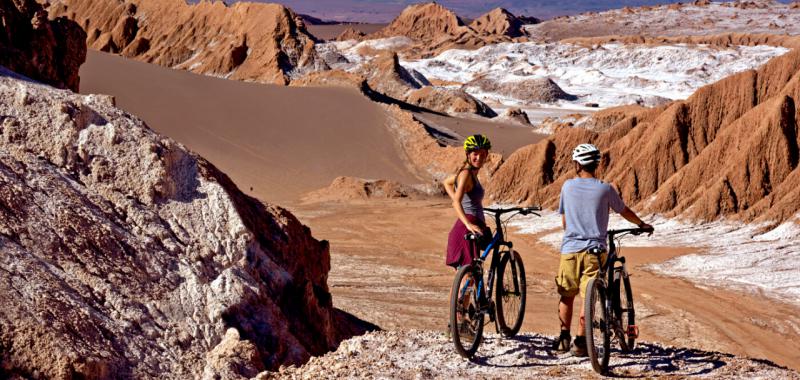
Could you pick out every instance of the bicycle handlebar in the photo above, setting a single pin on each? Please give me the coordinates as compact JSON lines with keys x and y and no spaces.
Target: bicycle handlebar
{"x":521,"y":210}
{"x":632,"y":231}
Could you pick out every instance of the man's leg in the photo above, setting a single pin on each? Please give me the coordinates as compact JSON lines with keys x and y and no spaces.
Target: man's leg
{"x":565,"y":317}
{"x":589,"y":268}
{"x":568,"y":286}
{"x":565,"y":312}
{"x":583,"y":319}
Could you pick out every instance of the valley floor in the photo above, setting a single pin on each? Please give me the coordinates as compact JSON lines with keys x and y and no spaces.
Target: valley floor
{"x":388,"y":268}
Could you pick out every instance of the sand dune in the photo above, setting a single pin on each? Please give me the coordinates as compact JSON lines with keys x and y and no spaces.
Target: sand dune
{"x":506,"y":137}
{"x":279,"y":141}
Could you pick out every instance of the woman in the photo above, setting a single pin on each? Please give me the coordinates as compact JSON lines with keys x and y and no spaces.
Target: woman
{"x":467,"y":195}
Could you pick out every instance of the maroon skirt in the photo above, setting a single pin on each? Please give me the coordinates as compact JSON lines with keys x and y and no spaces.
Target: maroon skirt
{"x":459,"y":250}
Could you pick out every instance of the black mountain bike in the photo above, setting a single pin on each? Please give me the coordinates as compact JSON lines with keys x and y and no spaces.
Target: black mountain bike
{"x":471,"y":296}
{"x":610,"y":316}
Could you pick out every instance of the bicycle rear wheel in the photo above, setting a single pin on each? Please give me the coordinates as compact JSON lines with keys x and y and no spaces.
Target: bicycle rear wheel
{"x":511,"y":293}
{"x":627,"y":315}
{"x":466,"y":319}
{"x":598,"y":328}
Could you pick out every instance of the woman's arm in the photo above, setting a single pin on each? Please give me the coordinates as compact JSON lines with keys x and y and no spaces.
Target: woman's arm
{"x":449,"y":186}
{"x":465,"y":184}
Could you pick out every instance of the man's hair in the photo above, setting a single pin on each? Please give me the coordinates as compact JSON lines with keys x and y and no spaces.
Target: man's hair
{"x":590,"y":167}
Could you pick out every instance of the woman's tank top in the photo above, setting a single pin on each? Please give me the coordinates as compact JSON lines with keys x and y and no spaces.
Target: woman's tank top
{"x":472,"y":202}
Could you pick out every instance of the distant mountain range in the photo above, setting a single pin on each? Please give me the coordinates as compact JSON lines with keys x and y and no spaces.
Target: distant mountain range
{"x":381,"y":11}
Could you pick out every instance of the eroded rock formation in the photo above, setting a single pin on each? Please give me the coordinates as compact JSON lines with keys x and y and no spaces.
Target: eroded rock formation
{"x":385,"y":75}
{"x":498,"y":22}
{"x":536,"y":90}
{"x":731,"y":149}
{"x":425,"y":21}
{"x":435,"y":28}
{"x":246,"y":41}
{"x":350,"y":34}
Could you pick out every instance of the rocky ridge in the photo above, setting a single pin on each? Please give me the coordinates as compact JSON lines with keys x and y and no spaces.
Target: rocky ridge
{"x":245,"y":41}
{"x":673,"y":20}
{"x":350,"y":188}
{"x":50,"y":51}
{"x":125,"y":255}
{"x":434,"y":28}
{"x":719,"y":40}
{"x":383,"y":79}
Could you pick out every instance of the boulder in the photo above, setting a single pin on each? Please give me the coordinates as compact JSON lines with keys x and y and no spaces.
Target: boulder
{"x":127,"y":256}
{"x":50,"y":51}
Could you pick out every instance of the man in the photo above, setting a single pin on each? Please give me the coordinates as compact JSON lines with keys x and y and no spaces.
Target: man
{"x":584,"y":208}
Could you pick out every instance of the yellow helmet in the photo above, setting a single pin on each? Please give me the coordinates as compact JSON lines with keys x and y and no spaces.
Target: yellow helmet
{"x":476,"y":142}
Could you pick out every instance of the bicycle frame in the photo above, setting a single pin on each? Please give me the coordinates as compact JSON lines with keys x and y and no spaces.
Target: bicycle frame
{"x":498,"y":240}
{"x":607,"y":271}
{"x":613,"y":304}
{"x":493,"y":247}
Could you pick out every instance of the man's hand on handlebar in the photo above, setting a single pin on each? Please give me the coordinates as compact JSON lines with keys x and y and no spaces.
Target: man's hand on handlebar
{"x":647,"y":228}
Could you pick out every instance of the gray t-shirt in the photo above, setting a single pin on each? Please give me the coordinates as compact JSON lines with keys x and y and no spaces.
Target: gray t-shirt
{"x":585,"y":203}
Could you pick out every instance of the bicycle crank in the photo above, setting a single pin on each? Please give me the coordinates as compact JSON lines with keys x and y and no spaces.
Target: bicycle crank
{"x":633,"y":331}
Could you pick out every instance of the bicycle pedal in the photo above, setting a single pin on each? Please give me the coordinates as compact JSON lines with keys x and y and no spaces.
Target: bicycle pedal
{"x":633,"y":331}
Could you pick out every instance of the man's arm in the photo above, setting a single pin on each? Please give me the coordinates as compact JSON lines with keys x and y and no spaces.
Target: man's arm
{"x":631,"y":216}
{"x":563,"y":221}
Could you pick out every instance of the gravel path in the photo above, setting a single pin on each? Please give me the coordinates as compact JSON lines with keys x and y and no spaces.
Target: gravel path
{"x":418,"y":354}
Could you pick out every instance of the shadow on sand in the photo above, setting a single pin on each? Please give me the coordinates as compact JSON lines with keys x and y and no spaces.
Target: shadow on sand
{"x":647,"y":360}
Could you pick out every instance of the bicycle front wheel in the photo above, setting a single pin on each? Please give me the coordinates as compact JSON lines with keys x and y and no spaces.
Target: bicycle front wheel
{"x":598,"y":328}
{"x":466,"y":318}
{"x":511,"y":293}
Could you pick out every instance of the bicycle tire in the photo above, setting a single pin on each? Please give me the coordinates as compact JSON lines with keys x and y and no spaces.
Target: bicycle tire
{"x":598,"y":330}
{"x":510,"y":294}
{"x":627,"y":314}
{"x":465,"y":316}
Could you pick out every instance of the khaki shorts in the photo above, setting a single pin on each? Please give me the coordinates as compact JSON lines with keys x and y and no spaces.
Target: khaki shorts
{"x":575,"y":270}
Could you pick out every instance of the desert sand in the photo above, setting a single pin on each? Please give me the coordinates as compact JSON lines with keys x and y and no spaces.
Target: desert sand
{"x":329,"y":32}
{"x":277,"y":142}
{"x":506,"y":137}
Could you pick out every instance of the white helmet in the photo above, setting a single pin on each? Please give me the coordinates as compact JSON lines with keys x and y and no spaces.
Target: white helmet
{"x":586,"y":154}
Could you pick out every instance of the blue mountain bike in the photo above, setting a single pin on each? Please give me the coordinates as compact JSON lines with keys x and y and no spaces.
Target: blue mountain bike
{"x":471,"y":296}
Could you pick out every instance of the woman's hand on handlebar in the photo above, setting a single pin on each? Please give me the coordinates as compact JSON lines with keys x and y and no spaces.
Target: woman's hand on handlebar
{"x":475,"y":229}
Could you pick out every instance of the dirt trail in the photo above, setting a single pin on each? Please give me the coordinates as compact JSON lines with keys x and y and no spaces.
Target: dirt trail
{"x":387,"y":268}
